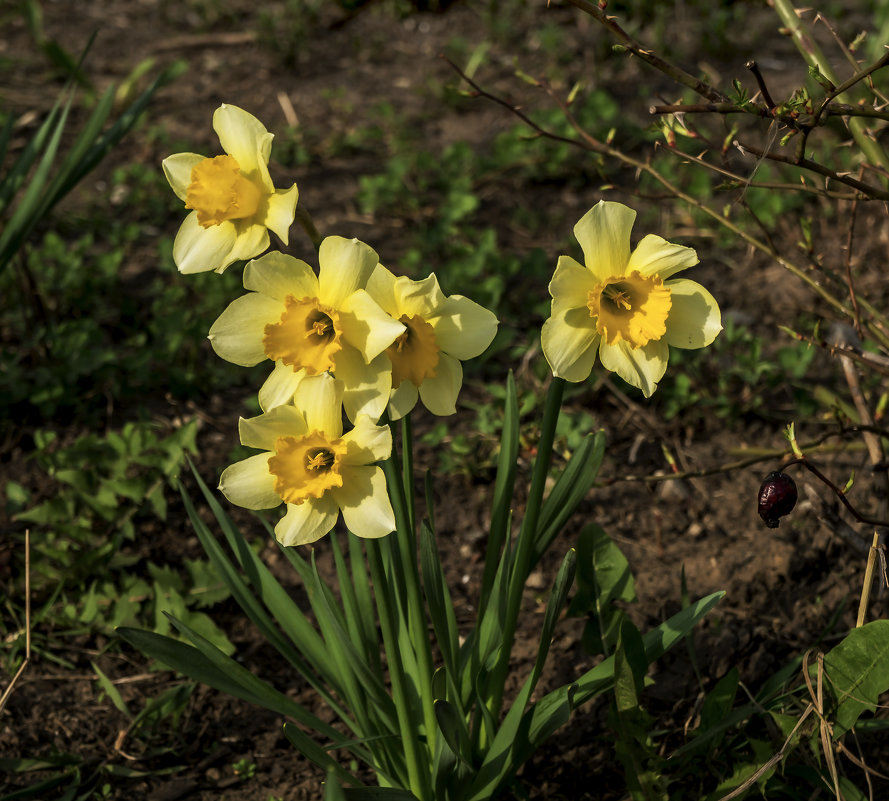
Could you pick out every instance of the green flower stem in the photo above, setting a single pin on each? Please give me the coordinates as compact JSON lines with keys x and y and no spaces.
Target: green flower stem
{"x":308,"y":225}
{"x":815,"y":58}
{"x":417,"y":762}
{"x":404,"y":555}
{"x":407,"y":469}
{"x":527,"y":535}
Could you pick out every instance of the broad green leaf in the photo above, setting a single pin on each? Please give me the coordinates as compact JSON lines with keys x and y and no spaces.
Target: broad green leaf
{"x":438,"y":599}
{"x":316,"y":754}
{"x":857,"y":673}
{"x":603,"y":577}
{"x":570,"y":489}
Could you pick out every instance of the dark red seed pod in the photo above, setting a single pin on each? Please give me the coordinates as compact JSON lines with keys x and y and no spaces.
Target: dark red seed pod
{"x":777,"y":497}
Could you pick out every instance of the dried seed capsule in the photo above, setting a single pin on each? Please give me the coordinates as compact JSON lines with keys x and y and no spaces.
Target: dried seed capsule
{"x":777,"y":497}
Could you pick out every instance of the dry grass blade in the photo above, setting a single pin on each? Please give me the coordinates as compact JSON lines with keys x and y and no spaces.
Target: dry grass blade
{"x":8,"y":691}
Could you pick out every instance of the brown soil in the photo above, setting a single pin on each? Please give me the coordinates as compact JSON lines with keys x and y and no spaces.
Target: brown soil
{"x":782,"y":586}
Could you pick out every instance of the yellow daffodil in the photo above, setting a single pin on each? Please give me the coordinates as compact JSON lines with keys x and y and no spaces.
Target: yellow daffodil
{"x":310,"y":324}
{"x":622,"y":305}
{"x":233,"y":201}
{"x":312,"y":466}
{"x":439,"y":332}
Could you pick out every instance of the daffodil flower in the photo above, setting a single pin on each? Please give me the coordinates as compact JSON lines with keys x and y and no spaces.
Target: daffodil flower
{"x":312,"y":466}
{"x":310,"y":324}
{"x":439,"y":332}
{"x":622,"y":304}
{"x":232,"y":197}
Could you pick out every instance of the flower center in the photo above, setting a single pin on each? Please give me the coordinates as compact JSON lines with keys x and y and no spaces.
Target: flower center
{"x":219,"y":192}
{"x":306,"y":466}
{"x":414,"y":355}
{"x":308,"y":336}
{"x":631,"y":308}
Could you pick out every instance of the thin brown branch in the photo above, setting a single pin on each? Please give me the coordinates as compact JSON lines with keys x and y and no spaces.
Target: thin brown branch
{"x":757,"y":110}
{"x":746,"y":183}
{"x":676,"y":73}
{"x":820,"y":169}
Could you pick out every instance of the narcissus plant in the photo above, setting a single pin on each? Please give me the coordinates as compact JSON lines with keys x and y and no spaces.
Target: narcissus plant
{"x":439,"y":332}
{"x":310,"y":324}
{"x":233,"y":201}
{"x":312,"y":466}
{"x":624,"y":305}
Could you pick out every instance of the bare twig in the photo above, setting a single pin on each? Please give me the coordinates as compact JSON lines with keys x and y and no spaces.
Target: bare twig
{"x":676,"y":73}
{"x":760,"y":82}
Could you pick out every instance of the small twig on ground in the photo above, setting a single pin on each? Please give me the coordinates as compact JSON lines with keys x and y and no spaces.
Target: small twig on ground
{"x":8,"y":692}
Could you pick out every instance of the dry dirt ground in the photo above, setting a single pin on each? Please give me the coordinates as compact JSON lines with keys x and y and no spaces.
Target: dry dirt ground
{"x":783,"y":586}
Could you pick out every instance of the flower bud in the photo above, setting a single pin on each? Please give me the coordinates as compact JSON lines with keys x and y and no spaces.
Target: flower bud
{"x":777,"y":497}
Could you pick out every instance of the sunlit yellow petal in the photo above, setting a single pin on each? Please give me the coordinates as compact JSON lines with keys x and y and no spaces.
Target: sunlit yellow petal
{"x":246,"y":138}
{"x":365,"y":502}
{"x":439,"y":393}
{"x":641,"y":367}
{"x":569,"y":341}
{"x":251,"y":240}
{"x":307,"y":522}
{"x":367,"y":442}
{"x":345,"y":266}
{"x":280,"y":386}
{"x":463,"y":328}
{"x":198,"y":250}
{"x":422,"y":298}
{"x":695,"y":319}
{"x":237,"y":334}
{"x":321,"y":399}
{"x":571,"y":283}
{"x":278,"y":275}
{"x":604,"y":235}
{"x":655,"y":256}
{"x":366,"y":326}
{"x":381,"y":287}
{"x":264,"y":430}
{"x":249,"y":483}
{"x":177,"y":169}
{"x":367,"y":386}
{"x":280,"y":211}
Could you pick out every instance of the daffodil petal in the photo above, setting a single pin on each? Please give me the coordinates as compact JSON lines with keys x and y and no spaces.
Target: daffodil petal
{"x":381,"y":287}
{"x":421,"y":298}
{"x":264,"y":430}
{"x":197,"y":249}
{"x":569,"y":342}
{"x":279,"y":275}
{"x":367,"y":386}
{"x":281,"y":211}
{"x":694,"y":320}
{"x":307,"y":522}
{"x":439,"y":393}
{"x":366,"y":326}
{"x":321,"y":399}
{"x":654,"y":255}
{"x":252,"y":239}
{"x":177,"y":169}
{"x":365,"y":502}
{"x":367,"y":442}
{"x":246,"y":138}
{"x":571,"y":283}
{"x":604,"y":236}
{"x":641,"y":367}
{"x":280,"y":386}
{"x":345,"y":265}
{"x":249,"y":483}
{"x":237,"y":333}
{"x":403,"y":400}
{"x":463,"y":328}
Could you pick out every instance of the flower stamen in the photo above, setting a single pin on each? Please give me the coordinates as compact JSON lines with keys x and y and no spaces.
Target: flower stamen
{"x":632,"y":308}
{"x":414,"y":354}
{"x":307,"y":466}
{"x":307,"y":337}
